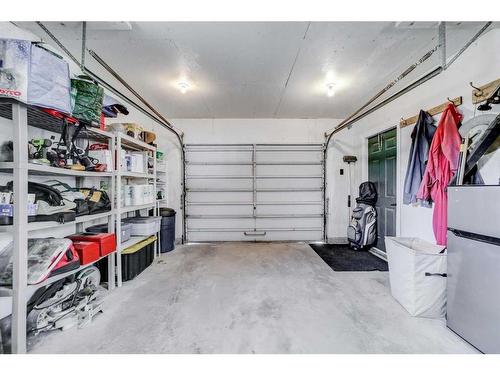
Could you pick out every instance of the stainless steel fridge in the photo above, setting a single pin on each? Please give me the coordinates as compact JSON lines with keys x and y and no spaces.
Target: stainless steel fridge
{"x":473,"y":289}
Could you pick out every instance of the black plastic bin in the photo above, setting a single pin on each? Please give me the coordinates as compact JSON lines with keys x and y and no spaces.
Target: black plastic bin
{"x":133,"y":263}
{"x":167,"y":232}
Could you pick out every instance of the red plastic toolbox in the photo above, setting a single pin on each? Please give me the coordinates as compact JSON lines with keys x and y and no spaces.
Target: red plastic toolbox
{"x":87,"y":251}
{"x":106,"y":241}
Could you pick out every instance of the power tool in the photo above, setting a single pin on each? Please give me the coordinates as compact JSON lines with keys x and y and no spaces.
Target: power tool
{"x":39,"y":156}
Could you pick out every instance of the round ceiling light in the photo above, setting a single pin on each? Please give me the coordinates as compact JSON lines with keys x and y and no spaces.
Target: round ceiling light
{"x":183,"y":87}
{"x":330,"y":89}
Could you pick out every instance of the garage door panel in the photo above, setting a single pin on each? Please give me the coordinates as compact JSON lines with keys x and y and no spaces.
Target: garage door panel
{"x":201,"y":156}
{"x":289,"y":170}
{"x":283,"y":182}
{"x":290,"y":209}
{"x":231,"y":196}
{"x":309,"y":154}
{"x":211,"y":209}
{"x":290,"y":196}
{"x":289,"y":183}
{"x":214,"y":223}
{"x":221,"y":183}
{"x":217,"y":170}
{"x":292,"y":223}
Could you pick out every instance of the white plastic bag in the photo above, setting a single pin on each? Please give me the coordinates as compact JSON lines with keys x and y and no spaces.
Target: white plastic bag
{"x":49,"y":83}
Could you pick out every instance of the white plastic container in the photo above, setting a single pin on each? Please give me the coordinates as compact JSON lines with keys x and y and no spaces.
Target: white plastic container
{"x":417,"y":273}
{"x":116,"y":127}
{"x":137,"y":195}
{"x":138,"y":162}
{"x":144,"y":226}
{"x":127,"y":195}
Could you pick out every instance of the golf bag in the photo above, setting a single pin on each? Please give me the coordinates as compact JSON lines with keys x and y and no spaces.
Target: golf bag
{"x":362,"y":230}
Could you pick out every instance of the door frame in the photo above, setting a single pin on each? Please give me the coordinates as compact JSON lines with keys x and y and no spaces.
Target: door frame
{"x":364,"y":177}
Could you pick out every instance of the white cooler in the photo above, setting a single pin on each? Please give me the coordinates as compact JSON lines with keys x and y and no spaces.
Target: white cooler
{"x":417,"y":272}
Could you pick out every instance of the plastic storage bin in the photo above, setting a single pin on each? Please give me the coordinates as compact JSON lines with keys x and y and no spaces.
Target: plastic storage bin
{"x":167,"y":233}
{"x":135,"y":259}
{"x":417,"y":273}
{"x":88,"y":252}
{"x":103,"y":228}
{"x":106,"y":241}
{"x":144,"y":226}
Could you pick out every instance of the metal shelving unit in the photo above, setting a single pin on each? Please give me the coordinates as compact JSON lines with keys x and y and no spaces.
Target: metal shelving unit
{"x":161,"y":183}
{"x":125,"y":142}
{"x":22,"y":117}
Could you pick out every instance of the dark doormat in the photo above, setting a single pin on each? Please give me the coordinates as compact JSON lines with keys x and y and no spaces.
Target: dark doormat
{"x":343,"y":258}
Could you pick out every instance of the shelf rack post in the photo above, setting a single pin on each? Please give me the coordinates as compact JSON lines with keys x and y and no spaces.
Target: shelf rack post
{"x":112,"y":218}
{"x":118,"y":203}
{"x":20,"y":249}
{"x":127,"y":142}
{"x":156,"y":207}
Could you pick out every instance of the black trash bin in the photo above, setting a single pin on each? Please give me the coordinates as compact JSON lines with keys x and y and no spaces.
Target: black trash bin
{"x":167,"y":233}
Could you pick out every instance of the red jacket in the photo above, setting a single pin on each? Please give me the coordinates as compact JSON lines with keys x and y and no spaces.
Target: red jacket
{"x":441,"y":167}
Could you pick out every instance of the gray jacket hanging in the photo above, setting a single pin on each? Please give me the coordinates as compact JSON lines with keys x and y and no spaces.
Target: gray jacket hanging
{"x":421,"y":138}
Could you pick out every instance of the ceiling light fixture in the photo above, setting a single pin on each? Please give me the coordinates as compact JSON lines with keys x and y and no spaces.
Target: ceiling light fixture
{"x":330,"y":89}
{"x":183,"y":87}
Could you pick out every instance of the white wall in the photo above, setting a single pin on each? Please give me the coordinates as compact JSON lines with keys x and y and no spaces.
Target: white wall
{"x":254,"y":130}
{"x":479,"y":64}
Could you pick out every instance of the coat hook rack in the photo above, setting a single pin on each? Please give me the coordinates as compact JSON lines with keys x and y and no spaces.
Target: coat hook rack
{"x":478,"y":91}
{"x":433,"y":111}
{"x":483,"y":93}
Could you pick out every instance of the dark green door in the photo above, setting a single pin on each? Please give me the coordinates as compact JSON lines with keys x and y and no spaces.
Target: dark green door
{"x":382,"y":171}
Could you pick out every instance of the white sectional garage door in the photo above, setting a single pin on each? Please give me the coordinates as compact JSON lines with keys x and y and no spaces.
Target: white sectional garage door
{"x":260,"y":192}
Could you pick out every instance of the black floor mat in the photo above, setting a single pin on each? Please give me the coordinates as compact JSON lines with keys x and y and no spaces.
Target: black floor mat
{"x":343,"y":258}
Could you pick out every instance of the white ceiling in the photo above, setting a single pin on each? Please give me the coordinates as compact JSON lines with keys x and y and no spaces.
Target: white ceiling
{"x":257,"y":69}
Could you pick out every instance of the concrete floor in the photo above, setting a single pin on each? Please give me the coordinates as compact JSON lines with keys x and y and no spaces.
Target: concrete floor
{"x":253,"y":298}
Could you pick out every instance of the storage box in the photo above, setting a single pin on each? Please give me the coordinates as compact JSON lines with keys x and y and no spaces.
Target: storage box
{"x":139,"y":194}
{"x":135,"y":259}
{"x":87,"y":251}
{"x":417,"y":273}
{"x":127,"y":195}
{"x":144,"y":226}
{"x":103,"y":228}
{"x":106,"y":241}
{"x":138,"y":162}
